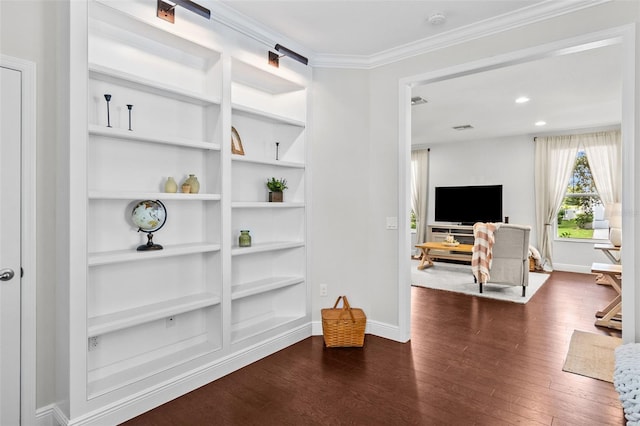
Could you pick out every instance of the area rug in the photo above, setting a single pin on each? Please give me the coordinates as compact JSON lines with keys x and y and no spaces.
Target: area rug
{"x":459,"y":279}
{"x":592,"y":355}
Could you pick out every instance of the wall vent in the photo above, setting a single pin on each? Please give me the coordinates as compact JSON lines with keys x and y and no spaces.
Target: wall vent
{"x":463,"y":127}
{"x":417,"y":100}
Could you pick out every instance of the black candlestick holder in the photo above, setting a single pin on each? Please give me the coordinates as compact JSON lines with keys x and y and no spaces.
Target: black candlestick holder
{"x":107,"y":97}
{"x":277,"y":148}
{"x":129,"y":106}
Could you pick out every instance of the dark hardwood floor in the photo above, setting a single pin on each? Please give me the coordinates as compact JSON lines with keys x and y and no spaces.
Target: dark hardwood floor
{"x":471,"y":361}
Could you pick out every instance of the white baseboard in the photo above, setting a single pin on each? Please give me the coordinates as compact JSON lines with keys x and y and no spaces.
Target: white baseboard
{"x":380,"y":329}
{"x":567,"y":267}
{"x":50,"y":415}
{"x":164,"y":392}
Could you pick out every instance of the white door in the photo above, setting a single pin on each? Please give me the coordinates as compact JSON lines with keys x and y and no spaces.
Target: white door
{"x":10,"y":246}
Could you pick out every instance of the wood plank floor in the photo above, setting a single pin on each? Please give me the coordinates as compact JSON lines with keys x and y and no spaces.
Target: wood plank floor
{"x":471,"y":361}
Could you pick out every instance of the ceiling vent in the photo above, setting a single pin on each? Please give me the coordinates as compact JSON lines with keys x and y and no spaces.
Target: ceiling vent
{"x":418,"y":100}
{"x":463,"y":127}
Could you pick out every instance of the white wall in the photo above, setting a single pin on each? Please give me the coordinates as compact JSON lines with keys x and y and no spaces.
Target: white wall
{"x":506,"y":161}
{"x":339,"y":187}
{"x":355,"y":178}
{"x":28,"y":31}
{"x":381,"y":293}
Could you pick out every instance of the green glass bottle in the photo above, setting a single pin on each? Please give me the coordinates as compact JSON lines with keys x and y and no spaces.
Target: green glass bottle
{"x":245,"y":239}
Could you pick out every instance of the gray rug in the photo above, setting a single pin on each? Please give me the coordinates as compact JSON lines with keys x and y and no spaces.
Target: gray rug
{"x":459,"y":279}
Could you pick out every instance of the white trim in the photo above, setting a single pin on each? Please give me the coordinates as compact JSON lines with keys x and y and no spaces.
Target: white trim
{"x":375,"y":328}
{"x":404,"y":211}
{"x":519,"y":18}
{"x":630,"y":101}
{"x":50,"y":415}
{"x":226,"y":15}
{"x":568,"y":267}
{"x":231,"y":18}
{"x":136,"y":404}
{"x":28,"y":236}
{"x":626,"y":36}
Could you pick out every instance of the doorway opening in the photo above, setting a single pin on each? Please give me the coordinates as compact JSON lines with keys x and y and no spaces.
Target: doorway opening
{"x":623,"y":36}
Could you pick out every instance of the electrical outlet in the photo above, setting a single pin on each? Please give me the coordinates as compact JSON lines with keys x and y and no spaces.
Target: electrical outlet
{"x":323,"y":290}
{"x":93,"y":343}
{"x":171,"y":321}
{"x":392,"y":222}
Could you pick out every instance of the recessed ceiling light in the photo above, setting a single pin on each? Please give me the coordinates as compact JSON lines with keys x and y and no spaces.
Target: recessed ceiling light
{"x":541,"y":123}
{"x":522,"y":100}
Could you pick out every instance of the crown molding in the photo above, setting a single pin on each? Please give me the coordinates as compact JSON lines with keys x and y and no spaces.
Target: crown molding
{"x":229,"y":17}
{"x":548,"y":9}
{"x":526,"y":16}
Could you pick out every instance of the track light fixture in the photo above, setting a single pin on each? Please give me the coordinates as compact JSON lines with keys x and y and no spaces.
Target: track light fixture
{"x":274,"y":58}
{"x":166,"y":10}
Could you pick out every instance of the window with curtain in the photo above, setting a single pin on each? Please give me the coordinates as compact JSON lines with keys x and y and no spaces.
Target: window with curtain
{"x":581,"y":214}
{"x":555,"y":158}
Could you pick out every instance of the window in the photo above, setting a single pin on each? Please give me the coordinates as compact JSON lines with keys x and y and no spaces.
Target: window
{"x":581,"y":215}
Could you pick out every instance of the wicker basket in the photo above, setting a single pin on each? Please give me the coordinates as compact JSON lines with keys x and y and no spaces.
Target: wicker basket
{"x":343,"y":327}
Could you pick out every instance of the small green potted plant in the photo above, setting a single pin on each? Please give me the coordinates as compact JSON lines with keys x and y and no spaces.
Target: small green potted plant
{"x":276,"y":186}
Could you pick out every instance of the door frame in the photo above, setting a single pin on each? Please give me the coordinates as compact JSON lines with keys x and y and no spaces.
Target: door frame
{"x":626,"y":36}
{"x":28,"y":237}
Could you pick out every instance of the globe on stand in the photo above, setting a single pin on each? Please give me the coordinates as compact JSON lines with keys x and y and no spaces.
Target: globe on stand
{"x":149,"y":216}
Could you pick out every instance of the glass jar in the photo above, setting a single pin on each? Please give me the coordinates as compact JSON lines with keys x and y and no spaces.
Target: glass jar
{"x":245,"y":239}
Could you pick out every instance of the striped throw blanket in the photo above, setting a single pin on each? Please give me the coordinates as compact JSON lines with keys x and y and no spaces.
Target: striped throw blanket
{"x":482,"y":250}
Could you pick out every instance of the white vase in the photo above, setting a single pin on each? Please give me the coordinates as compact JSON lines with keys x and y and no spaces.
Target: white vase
{"x":170,"y":185}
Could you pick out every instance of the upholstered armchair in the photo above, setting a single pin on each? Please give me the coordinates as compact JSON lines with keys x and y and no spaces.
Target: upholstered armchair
{"x":510,"y":263}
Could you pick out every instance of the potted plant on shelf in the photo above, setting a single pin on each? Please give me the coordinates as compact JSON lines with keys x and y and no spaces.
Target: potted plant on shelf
{"x":276,"y":186}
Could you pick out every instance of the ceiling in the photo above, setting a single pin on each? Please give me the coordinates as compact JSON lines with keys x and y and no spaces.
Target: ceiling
{"x":369,"y":27}
{"x":575,"y":91}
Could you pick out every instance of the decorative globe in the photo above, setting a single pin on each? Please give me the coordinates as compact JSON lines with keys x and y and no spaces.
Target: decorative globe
{"x":149,"y":216}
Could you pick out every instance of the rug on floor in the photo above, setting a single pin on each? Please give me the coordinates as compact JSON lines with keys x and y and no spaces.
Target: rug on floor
{"x":592,"y":355}
{"x":459,"y":279}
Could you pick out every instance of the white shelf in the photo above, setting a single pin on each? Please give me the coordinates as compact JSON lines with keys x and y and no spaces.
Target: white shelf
{"x":266,"y":116}
{"x":194,"y":89}
{"x":278,"y":163}
{"x":239,"y":333}
{"x":268,"y":81}
{"x":261,"y":286}
{"x":105,"y":258}
{"x":265,"y":205}
{"x":111,"y":132}
{"x":142,"y":314}
{"x":123,"y":378}
{"x":119,"y":25}
{"x":266,"y":247}
{"x":110,"y":75}
{"x":134,"y":195}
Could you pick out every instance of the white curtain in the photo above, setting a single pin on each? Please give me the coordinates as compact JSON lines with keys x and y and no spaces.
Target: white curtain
{"x":604,"y":152}
{"x":554,"y":160}
{"x":419,"y":186}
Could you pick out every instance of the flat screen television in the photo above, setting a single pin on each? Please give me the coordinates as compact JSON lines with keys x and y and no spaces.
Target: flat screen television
{"x":469,"y":204}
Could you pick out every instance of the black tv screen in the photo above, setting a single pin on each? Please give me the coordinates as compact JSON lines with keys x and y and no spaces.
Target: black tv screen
{"x":468,"y":204}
